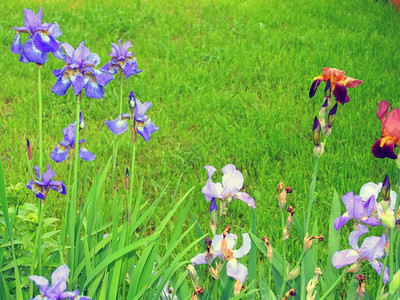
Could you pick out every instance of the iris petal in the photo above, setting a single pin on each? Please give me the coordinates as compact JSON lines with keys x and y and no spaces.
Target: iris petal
{"x":85,"y":154}
{"x":94,"y":90}
{"x":16,"y":45}
{"x":118,"y":126}
{"x":45,"y":42}
{"x":61,"y":86}
{"x":59,"y":154}
{"x":33,"y":54}
{"x":386,"y":151}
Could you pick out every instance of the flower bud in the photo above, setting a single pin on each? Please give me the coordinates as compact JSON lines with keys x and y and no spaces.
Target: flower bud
{"x":282,"y":199}
{"x":81,"y":121}
{"x":318,"y":150}
{"x":270,"y":252}
{"x":280,"y":186}
{"x":193,"y":274}
{"x":237,"y":288}
{"x":29,"y":149}
{"x":213,"y":216}
{"x":327,"y":130}
{"x":395,"y":283}
{"x":293,"y":274}
{"x":328,"y":89}
{"x":316,"y":132}
{"x":131,"y":101}
{"x":291,"y":292}
{"x":322,"y":111}
{"x":354,"y":268}
{"x":385,"y":192}
{"x":388,"y":219}
{"x":331,"y":115}
{"x":361,"y":285}
{"x":285,"y":234}
{"x":127,"y":179}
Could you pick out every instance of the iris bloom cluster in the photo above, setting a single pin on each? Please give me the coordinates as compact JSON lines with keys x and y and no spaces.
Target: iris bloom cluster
{"x":58,"y":286}
{"x":390,"y":138}
{"x":61,"y":151}
{"x":142,"y":124}
{"x":80,"y":72}
{"x":42,"y":39}
{"x":222,"y":247}
{"x":42,"y":186}
{"x":339,"y":83}
{"x":121,"y":59}
{"x":364,"y":208}
{"x":232,"y":183}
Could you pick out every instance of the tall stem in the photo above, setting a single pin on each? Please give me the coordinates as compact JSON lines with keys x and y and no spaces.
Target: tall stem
{"x":283,"y":256}
{"x":72,"y":220}
{"x":311,"y":196}
{"x":40,"y":118}
{"x":120,"y":92}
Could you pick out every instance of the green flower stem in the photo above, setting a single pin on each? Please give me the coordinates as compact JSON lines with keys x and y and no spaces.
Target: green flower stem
{"x":334,"y":285}
{"x":378,"y":292}
{"x":72,"y":219}
{"x":311,"y":196}
{"x":120,"y":91}
{"x":65,"y":220}
{"x":283,"y":256}
{"x":40,"y":118}
{"x":131,"y":179}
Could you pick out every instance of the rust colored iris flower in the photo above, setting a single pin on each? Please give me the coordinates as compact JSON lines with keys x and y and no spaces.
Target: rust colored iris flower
{"x":339,"y":83}
{"x":384,"y":147}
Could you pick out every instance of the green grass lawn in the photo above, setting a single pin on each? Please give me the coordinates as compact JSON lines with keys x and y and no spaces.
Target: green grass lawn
{"x":229,"y":83}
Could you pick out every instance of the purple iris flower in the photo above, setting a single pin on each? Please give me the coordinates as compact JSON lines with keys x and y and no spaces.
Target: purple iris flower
{"x":121,"y":59}
{"x":143,"y":124}
{"x":42,"y":187}
{"x":58,"y":286}
{"x":42,"y":39}
{"x":234,"y":269}
{"x":232,"y":182}
{"x":61,"y":151}
{"x":80,"y":72}
{"x":372,"y":249}
{"x":358,"y":210}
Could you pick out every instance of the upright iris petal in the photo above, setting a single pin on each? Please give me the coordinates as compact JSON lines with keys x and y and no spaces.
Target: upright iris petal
{"x":121,"y":59}
{"x":41,"y":40}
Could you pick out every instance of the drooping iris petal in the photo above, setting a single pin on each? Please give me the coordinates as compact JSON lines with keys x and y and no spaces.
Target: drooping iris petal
{"x":58,"y":186}
{"x":102,"y":77}
{"x":387,"y":150}
{"x":373,"y":247}
{"x":110,"y":67}
{"x":33,"y":54}
{"x":45,"y":42}
{"x":61,"y":86}
{"x":85,"y":154}
{"x":355,"y":235}
{"x":211,"y":189}
{"x":246,"y":199}
{"x":118,"y":126}
{"x":340,"y":93}
{"x":143,"y":131}
{"x":232,"y":180}
{"x":94,"y":90}
{"x":344,"y":258}
{"x":245,"y":249}
{"x":60,"y":153}
{"x":377,"y":265}
{"x":236,"y":270}
{"x":341,"y":221}
{"x":16,"y":46}
{"x":78,"y":82}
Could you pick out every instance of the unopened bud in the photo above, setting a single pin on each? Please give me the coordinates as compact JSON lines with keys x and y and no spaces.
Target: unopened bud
{"x":29,"y":149}
{"x":312,"y":284}
{"x":285,"y":233}
{"x":81,"y":121}
{"x":193,"y":274}
{"x":322,"y":111}
{"x":292,"y":274}
{"x":318,"y":150}
{"x":327,"y":130}
{"x":388,"y":219}
{"x":328,"y":89}
{"x":282,"y":199}
{"x":127,"y":179}
{"x":331,"y":115}
{"x":316,"y":132}
{"x":213,"y":216}
{"x":354,"y":268}
{"x":289,"y":220}
{"x":385,"y":192}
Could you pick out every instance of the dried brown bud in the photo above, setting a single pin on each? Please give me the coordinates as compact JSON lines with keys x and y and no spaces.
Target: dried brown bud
{"x":237,"y":288}
{"x":354,"y":268}
{"x":285,"y":233}
{"x":361,"y":285}
{"x":226,"y":231}
{"x":318,"y":272}
{"x":280,"y":186}
{"x":288,"y":190}
{"x":265,"y":239}
{"x":291,"y":292}
{"x":290,"y":209}
{"x":208,"y":241}
{"x":269,"y":248}
{"x":282,"y":200}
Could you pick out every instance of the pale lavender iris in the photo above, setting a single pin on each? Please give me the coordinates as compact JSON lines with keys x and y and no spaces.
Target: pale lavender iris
{"x":232,"y":183}
{"x":143,"y":124}
{"x":58,"y":286}
{"x":61,"y":151}
{"x":80,"y":72}
{"x":358,"y":210}
{"x":372,"y":249}
{"x":121,"y":59}
{"x":234,"y":269}
{"x":42,"y":39}
{"x":42,"y":186}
